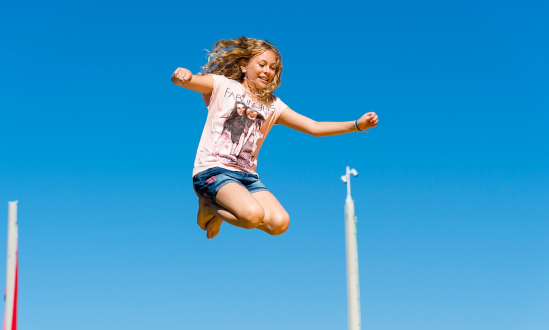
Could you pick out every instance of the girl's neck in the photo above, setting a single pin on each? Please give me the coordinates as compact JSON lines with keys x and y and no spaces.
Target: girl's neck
{"x":251,"y":90}
{"x":247,"y":86}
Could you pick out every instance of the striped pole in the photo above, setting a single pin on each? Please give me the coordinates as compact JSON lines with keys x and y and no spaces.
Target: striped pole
{"x":10,"y":313}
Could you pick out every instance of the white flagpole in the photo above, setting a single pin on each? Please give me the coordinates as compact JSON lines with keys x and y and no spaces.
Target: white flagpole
{"x":10,"y":313}
{"x":353,"y":292}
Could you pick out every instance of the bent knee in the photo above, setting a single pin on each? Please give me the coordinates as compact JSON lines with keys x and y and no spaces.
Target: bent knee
{"x":252,"y":217}
{"x":278,"y":224}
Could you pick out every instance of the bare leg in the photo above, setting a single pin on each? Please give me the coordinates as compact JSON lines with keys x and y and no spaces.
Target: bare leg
{"x":213,"y":226}
{"x":204,"y":214}
{"x":208,"y":211}
{"x":239,"y":208}
{"x":276,"y":220}
{"x":235,"y":205}
{"x":206,"y":220}
{"x":225,"y":215}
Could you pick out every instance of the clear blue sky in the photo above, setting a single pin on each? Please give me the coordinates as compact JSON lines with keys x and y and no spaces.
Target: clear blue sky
{"x":452,"y":196}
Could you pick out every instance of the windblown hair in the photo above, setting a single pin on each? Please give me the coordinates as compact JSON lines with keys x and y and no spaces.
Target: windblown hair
{"x":227,"y":55}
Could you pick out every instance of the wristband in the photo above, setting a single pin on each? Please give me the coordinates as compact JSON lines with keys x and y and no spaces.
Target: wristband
{"x":356,"y":126}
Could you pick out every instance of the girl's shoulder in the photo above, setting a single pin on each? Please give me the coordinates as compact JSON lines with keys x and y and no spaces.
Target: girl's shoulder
{"x":277,"y":102}
{"x":219,"y":78}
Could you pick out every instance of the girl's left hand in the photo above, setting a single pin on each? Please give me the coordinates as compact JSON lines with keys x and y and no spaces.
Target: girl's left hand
{"x":368,"y":120}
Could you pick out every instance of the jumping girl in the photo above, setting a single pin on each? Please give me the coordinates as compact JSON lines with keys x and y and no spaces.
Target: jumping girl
{"x":244,"y":71}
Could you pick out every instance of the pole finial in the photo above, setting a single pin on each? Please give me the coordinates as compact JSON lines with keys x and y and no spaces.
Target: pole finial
{"x":347,"y":179}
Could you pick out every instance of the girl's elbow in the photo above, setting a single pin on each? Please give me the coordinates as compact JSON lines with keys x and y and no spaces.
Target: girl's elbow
{"x":319,"y":133}
{"x":315,"y":130}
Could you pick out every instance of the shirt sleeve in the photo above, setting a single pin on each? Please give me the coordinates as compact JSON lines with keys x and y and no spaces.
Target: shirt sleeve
{"x":279,"y":107}
{"x":218,"y":82}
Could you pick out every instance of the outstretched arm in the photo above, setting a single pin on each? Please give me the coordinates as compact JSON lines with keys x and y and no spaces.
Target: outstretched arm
{"x":294,"y":120}
{"x":201,"y":84}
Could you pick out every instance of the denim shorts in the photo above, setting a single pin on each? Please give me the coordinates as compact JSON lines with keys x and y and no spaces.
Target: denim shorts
{"x":207,"y":183}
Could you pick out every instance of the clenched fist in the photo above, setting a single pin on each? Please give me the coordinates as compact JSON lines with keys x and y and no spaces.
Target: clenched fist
{"x":368,"y":120}
{"x":182,"y":76}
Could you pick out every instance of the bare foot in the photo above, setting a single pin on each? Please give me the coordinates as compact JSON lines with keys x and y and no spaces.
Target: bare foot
{"x":213,"y":226}
{"x":204,"y":214}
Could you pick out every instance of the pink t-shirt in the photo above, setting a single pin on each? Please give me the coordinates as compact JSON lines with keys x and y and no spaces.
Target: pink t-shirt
{"x":235,"y":128}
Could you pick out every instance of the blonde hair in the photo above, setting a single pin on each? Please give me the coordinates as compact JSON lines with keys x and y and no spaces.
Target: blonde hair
{"x":227,"y":55}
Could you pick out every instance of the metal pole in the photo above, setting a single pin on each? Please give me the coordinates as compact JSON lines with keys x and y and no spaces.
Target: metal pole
{"x":10,"y":313}
{"x":353,"y":292}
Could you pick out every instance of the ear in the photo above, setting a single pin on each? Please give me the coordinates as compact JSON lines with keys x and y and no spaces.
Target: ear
{"x":243,"y":66}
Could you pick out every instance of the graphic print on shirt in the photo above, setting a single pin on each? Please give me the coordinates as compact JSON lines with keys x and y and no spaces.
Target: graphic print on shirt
{"x":243,"y":126}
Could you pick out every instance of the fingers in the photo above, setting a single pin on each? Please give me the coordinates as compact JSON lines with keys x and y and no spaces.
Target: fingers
{"x":183,"y":75}
{"x":374,"y":119}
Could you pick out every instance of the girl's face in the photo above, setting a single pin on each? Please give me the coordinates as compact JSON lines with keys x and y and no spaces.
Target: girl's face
{"x":240,"y":109}
{"x":261,"y":69}
{"x":251,"y":114}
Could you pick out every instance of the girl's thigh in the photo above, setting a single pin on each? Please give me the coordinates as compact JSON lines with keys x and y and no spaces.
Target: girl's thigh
{"x":276,"y":219}
{"x":238,"y":200}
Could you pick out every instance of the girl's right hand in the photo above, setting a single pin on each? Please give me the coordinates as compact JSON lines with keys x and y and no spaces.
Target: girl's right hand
{"x":182,"y":76}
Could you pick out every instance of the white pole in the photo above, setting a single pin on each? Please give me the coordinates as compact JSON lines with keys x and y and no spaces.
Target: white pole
{"x":353,"y":292}
{"x":10,"y":314}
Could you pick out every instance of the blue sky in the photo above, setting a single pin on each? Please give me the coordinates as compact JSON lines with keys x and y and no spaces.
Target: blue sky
{"x":451,"y":197}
